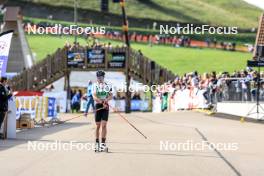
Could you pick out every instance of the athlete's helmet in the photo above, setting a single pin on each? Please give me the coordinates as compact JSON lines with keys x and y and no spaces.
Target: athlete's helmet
{"x":100,"y":73}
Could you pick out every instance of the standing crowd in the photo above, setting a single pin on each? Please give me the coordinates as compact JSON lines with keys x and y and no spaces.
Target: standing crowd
{"x":236,"y":86}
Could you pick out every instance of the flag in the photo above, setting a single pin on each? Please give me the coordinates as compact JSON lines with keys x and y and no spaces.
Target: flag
{"x":5,"y":41}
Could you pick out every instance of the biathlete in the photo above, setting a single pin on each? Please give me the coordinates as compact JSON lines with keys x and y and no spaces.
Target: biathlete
{"x":102,"y":94}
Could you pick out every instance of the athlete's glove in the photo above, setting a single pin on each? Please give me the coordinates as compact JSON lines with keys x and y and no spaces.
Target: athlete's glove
{"x":105,"y":105}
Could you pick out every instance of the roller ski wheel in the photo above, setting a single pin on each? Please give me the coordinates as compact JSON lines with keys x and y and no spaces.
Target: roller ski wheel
{"x":97,"y":148}
{"x":103,"y":148}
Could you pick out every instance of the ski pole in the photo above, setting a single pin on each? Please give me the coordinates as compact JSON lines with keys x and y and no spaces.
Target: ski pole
{"x":124,"y":118}
{"x":81,"y":115}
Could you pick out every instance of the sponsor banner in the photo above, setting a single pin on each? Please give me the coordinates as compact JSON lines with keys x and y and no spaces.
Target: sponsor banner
{"x":117,"y":60}
{"x":139,"y":105}
{"x":95,"y":56}
{"x":75,"y":59}
{"x":61,"y":99}
{"x":52,"y":107}
{"x":25,"y":105}
{"x":182,"y":99}
{"x":119,"y":105}
{"x":38,"y":107}
{"x":156,"y":104}
{"x":41,"y":108}
{"x":5,"y":42}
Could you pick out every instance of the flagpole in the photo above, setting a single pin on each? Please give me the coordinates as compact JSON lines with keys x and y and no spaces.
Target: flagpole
{"x":128,"y":78}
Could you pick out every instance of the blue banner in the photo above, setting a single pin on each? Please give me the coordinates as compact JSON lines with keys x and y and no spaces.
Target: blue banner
{"x":51,"y":107}
{"x":139,"y":105}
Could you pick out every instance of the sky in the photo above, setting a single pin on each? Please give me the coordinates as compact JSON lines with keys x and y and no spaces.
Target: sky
{"x":258,"y":3}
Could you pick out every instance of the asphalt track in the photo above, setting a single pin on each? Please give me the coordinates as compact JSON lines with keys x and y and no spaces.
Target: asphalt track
{"x":131,"y":154}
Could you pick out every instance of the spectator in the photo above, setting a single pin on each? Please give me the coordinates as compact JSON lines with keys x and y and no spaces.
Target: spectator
{"x":164,"y":104}
{"x":238,"y":86}
{"x":215,"y":42}
{"x":75,"y":102}
{"x":90,"y":100}
{"x":73,"y":92}
{"x":5,"y":94}
{"x":140,"y":53}
{"x":136,"y":97}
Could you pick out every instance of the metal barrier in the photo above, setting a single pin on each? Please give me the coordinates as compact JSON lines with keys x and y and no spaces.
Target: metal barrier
{"x":235,"y":89}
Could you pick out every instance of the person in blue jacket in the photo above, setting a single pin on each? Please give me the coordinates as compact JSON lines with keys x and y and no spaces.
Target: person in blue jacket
{"x":90,"y":100}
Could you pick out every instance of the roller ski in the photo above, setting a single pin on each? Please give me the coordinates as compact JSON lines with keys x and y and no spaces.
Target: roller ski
{"x":103,"y":148}
{"x":97,"y":147}
{"x":100,"y":148}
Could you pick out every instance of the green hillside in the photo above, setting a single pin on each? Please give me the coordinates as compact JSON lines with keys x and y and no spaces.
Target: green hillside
{"x":213,"y":12}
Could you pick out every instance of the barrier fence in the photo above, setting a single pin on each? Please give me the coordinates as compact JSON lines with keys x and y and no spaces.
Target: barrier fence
{"x":225,"y":90}
{"x":119,"y":105}
{"x":39,"y":108}
{"x":238,"y":89}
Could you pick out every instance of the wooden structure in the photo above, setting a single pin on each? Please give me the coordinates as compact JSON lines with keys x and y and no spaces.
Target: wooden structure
{"x":20,"y":56}
{"x":258,"y":54}
{"x":63,"y":61}
{"x":260,"y":35}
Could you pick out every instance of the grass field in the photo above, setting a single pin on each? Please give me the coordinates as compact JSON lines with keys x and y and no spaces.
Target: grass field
{"x":214,"y":12}
{"x":179,"y":60}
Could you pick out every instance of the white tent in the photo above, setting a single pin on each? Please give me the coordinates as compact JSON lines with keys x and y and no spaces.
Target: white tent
{"x":81,"y":79}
